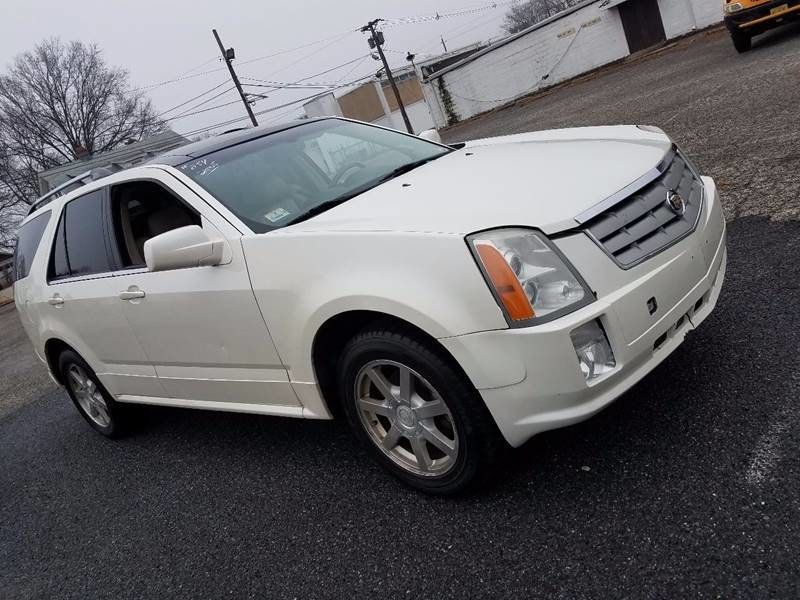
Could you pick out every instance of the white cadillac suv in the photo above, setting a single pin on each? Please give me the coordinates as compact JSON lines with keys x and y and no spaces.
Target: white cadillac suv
{"x":447,"y":300}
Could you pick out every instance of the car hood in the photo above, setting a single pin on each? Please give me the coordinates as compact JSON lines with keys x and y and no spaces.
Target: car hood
{"x":542,"y":180}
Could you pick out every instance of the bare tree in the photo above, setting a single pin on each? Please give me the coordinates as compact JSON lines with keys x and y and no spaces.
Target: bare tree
{"x":59,"y":102}
{"x":524,"y":14}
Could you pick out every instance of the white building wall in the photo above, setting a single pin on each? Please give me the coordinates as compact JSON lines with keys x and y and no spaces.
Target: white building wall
{"x":684,"y":16}
{"x":324,"y":106}
{"x":678,"y":16}
{"x":586,"y":39}
{"x":418,"y":114}
{"x":571,"y":45}
{"x":707,"y":12}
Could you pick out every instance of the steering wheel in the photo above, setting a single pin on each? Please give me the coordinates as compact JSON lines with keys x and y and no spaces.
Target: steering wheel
{"x":346,"y":171}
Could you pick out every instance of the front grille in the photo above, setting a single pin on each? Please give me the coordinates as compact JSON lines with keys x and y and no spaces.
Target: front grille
{"x":642,"y":222}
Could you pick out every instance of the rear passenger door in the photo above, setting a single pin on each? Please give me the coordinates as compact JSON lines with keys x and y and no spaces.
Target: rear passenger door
{"x":82,"y":305}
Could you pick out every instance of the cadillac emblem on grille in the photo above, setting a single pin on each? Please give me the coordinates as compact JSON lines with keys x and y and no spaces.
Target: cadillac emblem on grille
{"x":676,"y":202}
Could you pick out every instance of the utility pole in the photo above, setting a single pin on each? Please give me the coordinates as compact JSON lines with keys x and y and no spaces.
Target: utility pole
{"x":228,"y":56}
{"x":376,"y":41}
{"x":443,"y":44}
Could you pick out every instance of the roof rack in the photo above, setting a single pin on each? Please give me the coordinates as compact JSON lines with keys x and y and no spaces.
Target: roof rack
{"x":68,"y":186}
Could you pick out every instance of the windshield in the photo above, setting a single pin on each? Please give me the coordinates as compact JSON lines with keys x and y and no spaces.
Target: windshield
{"x":284,"y":177}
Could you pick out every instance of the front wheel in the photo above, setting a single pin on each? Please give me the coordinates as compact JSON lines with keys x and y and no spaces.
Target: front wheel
{"x":742,"y":41}
{"x":418,"y":415}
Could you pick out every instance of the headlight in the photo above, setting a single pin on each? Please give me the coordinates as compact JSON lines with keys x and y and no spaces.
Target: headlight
{"x":529,"y":277}
{"x":733,"y":7}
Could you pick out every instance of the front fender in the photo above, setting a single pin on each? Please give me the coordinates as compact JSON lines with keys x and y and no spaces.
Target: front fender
{"x":301,"y":280}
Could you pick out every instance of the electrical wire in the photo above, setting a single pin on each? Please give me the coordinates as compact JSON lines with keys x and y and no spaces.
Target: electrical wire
{"x":305,"y":79}
{"x":274,"y":108}
{"x":189,"y":111}
{"x":169,"y":110}
{"x":184,"y":76}
{"x":287,"y":51}
{"x":392,"y":22}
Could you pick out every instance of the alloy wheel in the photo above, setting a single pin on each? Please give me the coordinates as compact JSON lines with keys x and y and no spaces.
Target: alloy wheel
{"x":406,"y":418}
{"x":88,"y":395}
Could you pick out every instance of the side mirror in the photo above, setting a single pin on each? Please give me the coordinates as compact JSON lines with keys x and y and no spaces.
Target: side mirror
{"x":431,"y":135}
{"x":182,"y":248}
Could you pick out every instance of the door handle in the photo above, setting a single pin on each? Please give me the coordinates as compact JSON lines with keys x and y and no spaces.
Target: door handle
{"x":56,"y":300}
{"x":132,"y":293}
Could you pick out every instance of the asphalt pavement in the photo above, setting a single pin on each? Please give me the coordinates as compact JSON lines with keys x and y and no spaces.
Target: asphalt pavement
{"x":687,"y":486}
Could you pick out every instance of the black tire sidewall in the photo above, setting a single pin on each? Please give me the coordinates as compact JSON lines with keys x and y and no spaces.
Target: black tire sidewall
{"x":459,"y":395}
{"x":742,"y":42}
{"x":114,"y":429}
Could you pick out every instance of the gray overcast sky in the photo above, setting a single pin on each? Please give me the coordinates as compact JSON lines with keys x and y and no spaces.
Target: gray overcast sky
{"x":160,"y":40}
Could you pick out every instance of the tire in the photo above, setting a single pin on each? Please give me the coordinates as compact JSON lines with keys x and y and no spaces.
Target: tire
{"x":742,"y":42}
{"x":91,"y":399}
{"x":434,"y":433}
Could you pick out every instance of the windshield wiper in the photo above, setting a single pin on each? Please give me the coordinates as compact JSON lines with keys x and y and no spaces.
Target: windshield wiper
{"x":328,"y":204}
{"x":402,"y":169}
{"x":322,"y":207}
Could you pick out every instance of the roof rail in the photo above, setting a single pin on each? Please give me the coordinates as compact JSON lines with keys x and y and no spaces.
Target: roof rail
{"x":68,"y":186}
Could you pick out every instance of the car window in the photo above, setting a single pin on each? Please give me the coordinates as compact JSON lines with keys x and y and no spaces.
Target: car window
{"x":334,"y":152}
{"x":79,"y":247}
{"x":141,"y":210}
{"x":270,"y":181}
{"x":59,"y":263}
{"x":28,"y":240}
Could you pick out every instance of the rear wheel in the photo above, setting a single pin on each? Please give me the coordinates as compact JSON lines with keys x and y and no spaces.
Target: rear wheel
{"x":90,"y":397}
{"x":415,"y":411}
{"x":742,"y":41}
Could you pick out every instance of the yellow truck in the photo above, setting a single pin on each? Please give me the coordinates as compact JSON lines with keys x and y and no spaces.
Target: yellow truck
{"x":746,"y":18}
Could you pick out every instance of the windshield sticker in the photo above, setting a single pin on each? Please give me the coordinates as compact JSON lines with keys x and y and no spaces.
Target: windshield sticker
{"x":201,"y":167}
{"x":276,"y":215}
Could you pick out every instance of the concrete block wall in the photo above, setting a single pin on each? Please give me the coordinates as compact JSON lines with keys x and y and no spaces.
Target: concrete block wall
{"x":561,"y":49}
{"x":684,"y":16}
{"x":586,"y":39}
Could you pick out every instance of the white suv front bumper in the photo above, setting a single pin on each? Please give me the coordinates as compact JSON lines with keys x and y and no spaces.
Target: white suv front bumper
{"x":530,"y":378}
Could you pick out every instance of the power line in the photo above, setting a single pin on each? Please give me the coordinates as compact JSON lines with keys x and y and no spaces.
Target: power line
{"x":391,"y":22}
{"x":274,"y":108}
{"x":299,"y":81}
{"x":184,"y":76}
{"x":287,"y":51}
{"x":210,"y":108}
{"x":310,"y":54}
{"x":202,"y":64}
{"x":188,"y":112}
{"x":208,"y":91}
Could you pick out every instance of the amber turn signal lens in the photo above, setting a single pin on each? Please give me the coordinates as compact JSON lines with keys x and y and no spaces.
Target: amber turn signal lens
{"x":505,"y":282}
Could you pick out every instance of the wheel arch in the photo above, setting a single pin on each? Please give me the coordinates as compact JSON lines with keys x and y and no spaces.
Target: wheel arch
{"x":338,"y":329}
{"x":53,"y":348}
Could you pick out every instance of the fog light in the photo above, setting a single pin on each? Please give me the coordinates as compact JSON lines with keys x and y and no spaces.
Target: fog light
{"x":595,"y":356}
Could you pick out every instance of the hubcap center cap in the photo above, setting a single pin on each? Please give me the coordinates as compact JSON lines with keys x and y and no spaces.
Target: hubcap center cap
{"x":406,"y":417}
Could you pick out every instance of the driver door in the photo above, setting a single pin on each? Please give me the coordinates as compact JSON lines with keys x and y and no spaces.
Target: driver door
{"x":200,"y":327}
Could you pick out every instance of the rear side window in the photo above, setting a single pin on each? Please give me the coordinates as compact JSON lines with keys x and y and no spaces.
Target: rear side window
{"x":79,"y":246}
{"x":59,"y":263}
{"x":28,"y":240}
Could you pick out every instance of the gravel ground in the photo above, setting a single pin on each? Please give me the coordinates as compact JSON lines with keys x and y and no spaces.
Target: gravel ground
{"x":686,"y":487}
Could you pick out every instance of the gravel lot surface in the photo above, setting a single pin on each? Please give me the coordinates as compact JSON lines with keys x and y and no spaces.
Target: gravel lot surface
{"x":686,"y":487}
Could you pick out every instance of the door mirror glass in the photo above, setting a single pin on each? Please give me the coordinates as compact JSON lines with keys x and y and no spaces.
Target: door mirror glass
{"x":182,"y":248}
{"x":431,"y":135}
